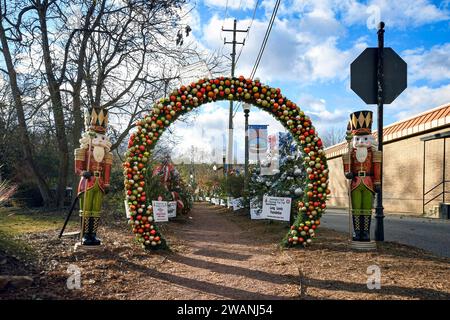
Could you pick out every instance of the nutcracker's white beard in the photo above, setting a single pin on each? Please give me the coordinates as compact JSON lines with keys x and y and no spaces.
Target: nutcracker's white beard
{"x":361,"y":153}
{"x":98,"y":153}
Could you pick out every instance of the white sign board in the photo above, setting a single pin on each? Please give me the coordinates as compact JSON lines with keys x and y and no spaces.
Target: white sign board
{"x":237,"y":204}
{"x":222,"y":202}
{"x":127,"y":209}
{"x":207,"y":199}
{"x":276,"y":208}
{"x":160,"y":212}
{"x":255,"y":210}
{"x":171,"y":209}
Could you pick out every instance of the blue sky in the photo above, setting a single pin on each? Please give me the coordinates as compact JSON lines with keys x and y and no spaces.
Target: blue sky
{"x":309,"y":51}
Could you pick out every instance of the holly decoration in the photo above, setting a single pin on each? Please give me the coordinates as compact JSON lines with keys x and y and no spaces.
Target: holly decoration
{"x":167,"y":110}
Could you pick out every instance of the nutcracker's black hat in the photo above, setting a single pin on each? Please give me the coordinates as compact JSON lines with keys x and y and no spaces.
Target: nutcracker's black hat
{"x":361,"y":122}
{"x":96,"y":119}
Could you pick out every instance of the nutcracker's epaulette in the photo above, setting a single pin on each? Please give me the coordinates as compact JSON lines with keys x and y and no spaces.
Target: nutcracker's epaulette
{"x":108,"y":158}
{"x":80,"y":153}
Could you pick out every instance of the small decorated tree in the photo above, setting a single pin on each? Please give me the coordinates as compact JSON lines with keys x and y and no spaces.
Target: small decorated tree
{"x":287,"y":181}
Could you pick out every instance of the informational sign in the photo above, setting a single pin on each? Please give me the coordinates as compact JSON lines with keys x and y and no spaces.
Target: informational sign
{"x":255,"y":210}
{"x":237,"y":204}
{"x":172,"y":209}
{"x":276,"y":208}
{"x":160,"y":212}
{"x":257,"y":141}
{"x":127,"y":209}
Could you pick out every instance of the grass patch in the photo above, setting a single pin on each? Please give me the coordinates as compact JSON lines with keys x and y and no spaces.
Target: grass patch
{"x":15,"y":222}
{"x":11,"y":245}
{"x":20,"y":221}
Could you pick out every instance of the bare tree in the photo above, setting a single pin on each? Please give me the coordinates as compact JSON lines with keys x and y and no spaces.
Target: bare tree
{"x":117,"y":55}
{"x":9,"y":35}
{"x":333,"y":135}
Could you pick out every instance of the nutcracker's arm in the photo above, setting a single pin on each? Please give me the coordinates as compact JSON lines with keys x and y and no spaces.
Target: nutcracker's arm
{"x":377,"y":163}
{"x":80,"y":161}
{"x":107,"y":170}
{"x":346,"y":161}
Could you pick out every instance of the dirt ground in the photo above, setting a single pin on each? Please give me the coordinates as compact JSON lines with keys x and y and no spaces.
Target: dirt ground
{"x":218,"y":254}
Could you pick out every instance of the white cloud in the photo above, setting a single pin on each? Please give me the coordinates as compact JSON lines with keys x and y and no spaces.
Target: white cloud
{"x":418,"y":99}
{"x":325,"y":61}
{"x":307,"y":51}
{"x":231,"y":4}
{"x":432,"y":64}
{"x":396,"y":14}
{"x":321,"y":114}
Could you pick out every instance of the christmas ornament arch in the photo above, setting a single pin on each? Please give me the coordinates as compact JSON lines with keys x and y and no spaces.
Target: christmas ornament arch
{"x":166,"y":110}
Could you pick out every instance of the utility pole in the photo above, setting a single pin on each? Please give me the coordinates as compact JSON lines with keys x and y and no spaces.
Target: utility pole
{"x":233,"y":65}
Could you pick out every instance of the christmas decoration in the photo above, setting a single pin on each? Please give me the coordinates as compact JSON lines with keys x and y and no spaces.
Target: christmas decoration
{"x":93,"y":163}
{"x":286,"y":181}
{"x":167,"y":110}
{"x":362,"y":165}
{"x":164,"y":182}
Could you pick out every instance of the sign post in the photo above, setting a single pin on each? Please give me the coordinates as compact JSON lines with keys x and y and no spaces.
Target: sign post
{"x":378,"y":76}
{"x":379,"y":212}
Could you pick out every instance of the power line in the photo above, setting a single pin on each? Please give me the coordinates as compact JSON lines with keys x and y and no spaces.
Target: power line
{"x":249,"y":27}
{"x":225,"y":18}
{"x":266,"y":37}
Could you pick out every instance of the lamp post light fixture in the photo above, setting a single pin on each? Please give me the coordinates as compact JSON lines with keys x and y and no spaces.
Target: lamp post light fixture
{"x":246,"y":107}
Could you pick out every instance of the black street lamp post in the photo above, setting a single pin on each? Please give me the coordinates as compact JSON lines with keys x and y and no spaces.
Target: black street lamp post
{"x":246,"y":108}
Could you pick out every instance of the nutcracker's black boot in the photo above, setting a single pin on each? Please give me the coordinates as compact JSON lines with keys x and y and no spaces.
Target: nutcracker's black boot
{"x":366,"y":228}
{"x":356,"y":228}
{"x":90,"y":232}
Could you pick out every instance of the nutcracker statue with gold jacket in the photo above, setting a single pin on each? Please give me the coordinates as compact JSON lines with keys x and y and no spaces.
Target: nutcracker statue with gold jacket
{"x":362,"y":164}
{"x":93,"y":162}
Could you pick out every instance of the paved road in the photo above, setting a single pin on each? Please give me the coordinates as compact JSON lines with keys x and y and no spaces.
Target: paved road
{"x":429,"y":234}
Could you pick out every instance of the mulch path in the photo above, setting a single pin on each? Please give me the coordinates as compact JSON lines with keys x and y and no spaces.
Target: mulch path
{"x":218,"y":254}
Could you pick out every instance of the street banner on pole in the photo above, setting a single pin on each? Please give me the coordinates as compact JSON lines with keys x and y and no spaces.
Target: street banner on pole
{"x":271,"y":163}
{"x":257,"y":141}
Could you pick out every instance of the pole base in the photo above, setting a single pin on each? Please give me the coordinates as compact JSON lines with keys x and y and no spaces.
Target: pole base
{"x":71,"y":234}
{"x":363,"y":245}
{"x":78,"y":247}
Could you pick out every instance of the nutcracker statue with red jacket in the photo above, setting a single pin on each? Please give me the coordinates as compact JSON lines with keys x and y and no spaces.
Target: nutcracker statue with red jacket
{"x":93,"y":162}
{"x":362,"y":164}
